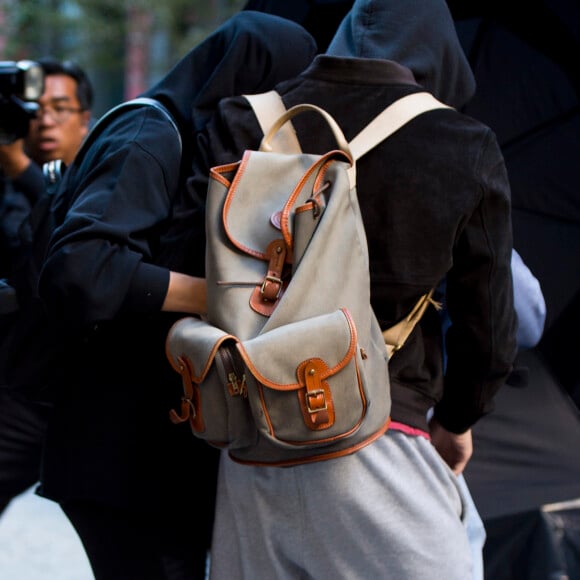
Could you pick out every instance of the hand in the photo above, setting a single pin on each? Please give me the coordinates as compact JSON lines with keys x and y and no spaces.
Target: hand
{"x":456,"y":450}
{"x":13,"y":159}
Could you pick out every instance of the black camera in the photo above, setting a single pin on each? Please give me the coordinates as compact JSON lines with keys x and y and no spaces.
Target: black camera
{"x":21,"y":84}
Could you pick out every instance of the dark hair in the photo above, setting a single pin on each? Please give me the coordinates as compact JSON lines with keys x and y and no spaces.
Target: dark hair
{"x":84,"y":92}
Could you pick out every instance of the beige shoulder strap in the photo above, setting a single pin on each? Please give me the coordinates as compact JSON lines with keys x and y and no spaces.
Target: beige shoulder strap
{"x":382,"y":126}
{"x":391,"y":119}
{"x":268,"y":108}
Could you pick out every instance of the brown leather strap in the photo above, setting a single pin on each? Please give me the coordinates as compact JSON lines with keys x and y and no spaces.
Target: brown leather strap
{"x":269,"y":291}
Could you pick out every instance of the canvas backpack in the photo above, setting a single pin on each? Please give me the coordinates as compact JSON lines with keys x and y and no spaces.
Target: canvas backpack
{"x":290,"y":364}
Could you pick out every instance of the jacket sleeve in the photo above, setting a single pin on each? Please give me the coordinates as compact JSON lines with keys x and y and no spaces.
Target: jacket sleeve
{"x":529,"y":304}
{"x":101,"y":259}
{"x":481,"y":341}
{"x":31,"y":183}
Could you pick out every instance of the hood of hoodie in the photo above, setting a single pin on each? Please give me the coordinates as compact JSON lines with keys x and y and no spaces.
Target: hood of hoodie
{"x":419,"y":34}
{"x":249,"y":53}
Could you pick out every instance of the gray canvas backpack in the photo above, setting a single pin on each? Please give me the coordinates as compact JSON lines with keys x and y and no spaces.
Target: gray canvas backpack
{"x":290,"y":364}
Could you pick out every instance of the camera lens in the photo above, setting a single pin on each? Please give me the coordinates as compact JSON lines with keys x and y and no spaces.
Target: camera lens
{"x":34,"y":79}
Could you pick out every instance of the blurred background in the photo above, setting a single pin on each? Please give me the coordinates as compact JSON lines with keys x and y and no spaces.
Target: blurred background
{"x":124,"y":45}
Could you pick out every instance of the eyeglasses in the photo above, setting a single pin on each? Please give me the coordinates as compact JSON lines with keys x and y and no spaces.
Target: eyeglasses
{"x":58,"y":114}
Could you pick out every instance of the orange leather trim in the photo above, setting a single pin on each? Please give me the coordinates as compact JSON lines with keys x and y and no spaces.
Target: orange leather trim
{"x":327,"y":158}
{"x":228,"y":202}
{"x":323,"y":163}
{"x":196,"y":416}
{"x":218,"y":172}
{"x":320,"y":457}
{"x":190,"y":402}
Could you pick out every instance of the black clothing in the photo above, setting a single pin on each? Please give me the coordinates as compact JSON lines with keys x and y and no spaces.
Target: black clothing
{"x":125,"y":545}
{"x":17,"y":197}
{"x":22,"y":421}
{"x":22,"y":428}
{"x":126,"y":222}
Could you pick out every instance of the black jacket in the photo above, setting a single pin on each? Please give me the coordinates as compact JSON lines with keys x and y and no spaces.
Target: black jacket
{"x":25,"y":349}
{"x":17,"y":197}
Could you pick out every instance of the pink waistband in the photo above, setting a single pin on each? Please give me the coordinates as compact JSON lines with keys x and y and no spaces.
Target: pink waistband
{"x":408,"y":430}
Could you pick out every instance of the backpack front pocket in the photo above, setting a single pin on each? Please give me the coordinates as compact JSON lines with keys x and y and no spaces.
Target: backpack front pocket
{"x":304,"y":381}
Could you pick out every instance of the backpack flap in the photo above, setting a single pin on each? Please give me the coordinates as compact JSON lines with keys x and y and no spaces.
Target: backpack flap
{"x":252,"y":212}
{"x":300,"y":388}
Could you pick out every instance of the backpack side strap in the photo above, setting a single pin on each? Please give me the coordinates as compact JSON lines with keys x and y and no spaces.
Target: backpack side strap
{"x":396,"y":335}
{"x":156,"y":105}
{"x":115,"y":111}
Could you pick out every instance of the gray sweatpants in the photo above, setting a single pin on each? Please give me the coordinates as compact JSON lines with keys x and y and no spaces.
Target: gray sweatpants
{"x":391,"y":511}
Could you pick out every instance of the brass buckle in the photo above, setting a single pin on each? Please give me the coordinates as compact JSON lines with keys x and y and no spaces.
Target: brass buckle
{"x":275,"y":281}
{"x":312,"y":394}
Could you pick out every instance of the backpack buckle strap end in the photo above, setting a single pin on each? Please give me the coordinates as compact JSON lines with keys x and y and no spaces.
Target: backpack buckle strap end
{"x":315,"y":397}
{"x":269,"y":291}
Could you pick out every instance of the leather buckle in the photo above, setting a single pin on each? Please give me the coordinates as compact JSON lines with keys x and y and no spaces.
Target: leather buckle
{"x":315,"y":397}
{"x":272,"y":280}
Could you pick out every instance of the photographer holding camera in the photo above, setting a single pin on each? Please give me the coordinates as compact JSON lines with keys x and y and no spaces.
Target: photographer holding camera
{"x":50,"y":126}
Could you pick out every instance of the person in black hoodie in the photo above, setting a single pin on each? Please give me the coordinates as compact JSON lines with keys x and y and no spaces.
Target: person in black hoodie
{"x":435,"y":200}
{"x":120,"y":269}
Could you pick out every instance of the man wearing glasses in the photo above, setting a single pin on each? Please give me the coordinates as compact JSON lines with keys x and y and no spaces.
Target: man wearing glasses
{"x":56,"y":133}
{"x":63,"y":116}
